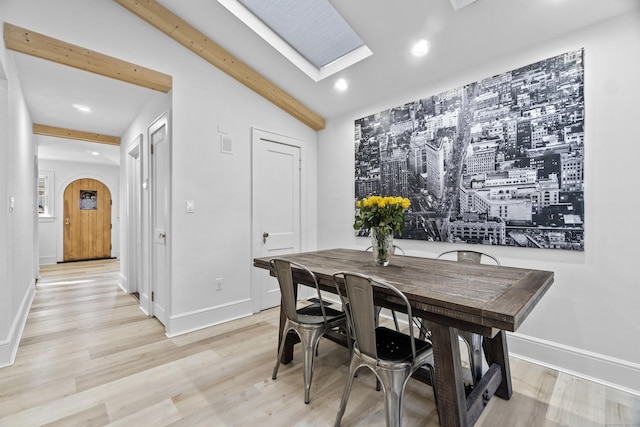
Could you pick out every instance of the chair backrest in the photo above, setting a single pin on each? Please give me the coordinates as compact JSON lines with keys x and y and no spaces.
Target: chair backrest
{"x":360,"y":309}
{"x":473,"y":257}
{"x":284,"y":273}
{"x":394,"y":248}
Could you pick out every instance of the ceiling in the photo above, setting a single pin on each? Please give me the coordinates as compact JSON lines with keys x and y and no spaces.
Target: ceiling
{"x":51,"y":90}
{"x":459,"y":40}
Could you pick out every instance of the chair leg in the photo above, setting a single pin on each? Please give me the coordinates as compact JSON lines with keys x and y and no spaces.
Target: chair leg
{"x":476,"y":367}
{"x":423,"y":328}
{"x":307,"y":369}
{"x":280,"y":349}
{"x":424,"y":331}
{"x":353,"y":369}
{"x":378,"y":309}
{"x":395,"y":320}
{"x":274,"y":375}
{"x":432,"y":376}
{"x":309,"y":339}
{"x":347,"y":333}
{"x":474,"y":347}
{"x":393,"y":382}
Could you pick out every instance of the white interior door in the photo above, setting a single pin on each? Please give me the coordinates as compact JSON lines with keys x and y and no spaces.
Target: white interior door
{"x":160,"y":213}
{"x":276,"y":207}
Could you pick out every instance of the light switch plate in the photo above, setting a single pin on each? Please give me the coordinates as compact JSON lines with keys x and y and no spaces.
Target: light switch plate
{"x":191,"y":206}
{"x":226,"y":144}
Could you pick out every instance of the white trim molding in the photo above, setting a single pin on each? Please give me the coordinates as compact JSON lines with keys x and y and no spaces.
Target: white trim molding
{"x":48,"y":259}
{"x":123,"y":283}
{"x":609,"y":371}
{"x":9,"y":346}
{"x":209,"y":316}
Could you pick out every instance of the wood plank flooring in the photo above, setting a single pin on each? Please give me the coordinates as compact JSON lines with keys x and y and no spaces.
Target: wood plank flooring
{"x":89,"y":356}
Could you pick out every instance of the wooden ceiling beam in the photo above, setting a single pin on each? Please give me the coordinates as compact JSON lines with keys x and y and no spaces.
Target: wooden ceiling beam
{"x":45,"y":47}
{"x":175,"y":27}
{"x":75,"y":134}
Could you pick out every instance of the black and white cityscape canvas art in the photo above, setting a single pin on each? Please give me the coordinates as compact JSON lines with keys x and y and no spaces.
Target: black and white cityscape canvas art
{"x":495,"y":162}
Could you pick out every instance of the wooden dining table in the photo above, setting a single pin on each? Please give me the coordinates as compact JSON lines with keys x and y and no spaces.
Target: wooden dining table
{"x":452,"y":296}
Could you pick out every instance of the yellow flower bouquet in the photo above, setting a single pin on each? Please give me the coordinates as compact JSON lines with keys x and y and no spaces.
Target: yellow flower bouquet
{"x":382,"y":216}
{"x":383,"y":212}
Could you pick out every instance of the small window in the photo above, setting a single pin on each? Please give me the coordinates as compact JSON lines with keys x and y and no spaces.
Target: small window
{"x":88,"y":200}
{"x":45,"y":194}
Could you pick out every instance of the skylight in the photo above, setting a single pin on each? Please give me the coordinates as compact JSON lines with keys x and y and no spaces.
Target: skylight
{"x":310,"y":33}
{"x":459,"y":4}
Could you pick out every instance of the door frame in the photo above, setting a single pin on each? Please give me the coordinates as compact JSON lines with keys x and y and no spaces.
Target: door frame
{"x":149,"y":228}
{"x":257,"y":135}
{"x":145,"y":257}
{"x":134,"y":215}
{"x":36,"y":219}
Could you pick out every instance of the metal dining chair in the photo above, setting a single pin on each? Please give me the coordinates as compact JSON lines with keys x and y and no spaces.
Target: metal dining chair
{"x":391,"y":355}
{"x":309,"y":322}
{"x":472,"y":341}
{"x":395,"y":248}
{"x":473,"y":257}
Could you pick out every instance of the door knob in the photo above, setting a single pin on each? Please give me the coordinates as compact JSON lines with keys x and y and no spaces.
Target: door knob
{"x":66,"y":221}
{"x":264,"y":237}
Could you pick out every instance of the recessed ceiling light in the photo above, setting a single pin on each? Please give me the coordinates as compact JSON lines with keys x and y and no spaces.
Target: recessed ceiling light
{"x":421,"y":48}
{"x":82,"y":108}
{"x":95,"y":153}
{"x":341,"y":85}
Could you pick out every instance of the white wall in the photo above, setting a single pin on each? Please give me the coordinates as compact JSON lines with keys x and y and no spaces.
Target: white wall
{"x":215,"y":240}
{"x":588,"y":319}
{"x":17,"y":232}
{"x":51,"y":249}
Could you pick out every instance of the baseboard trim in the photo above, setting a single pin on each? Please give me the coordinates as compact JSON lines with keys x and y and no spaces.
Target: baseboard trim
{"x":45,"y":260}
{"x":9,"y":346}
{"x":123,"y":282}
{"x":606,"y":370}
{"x":199,"y":319}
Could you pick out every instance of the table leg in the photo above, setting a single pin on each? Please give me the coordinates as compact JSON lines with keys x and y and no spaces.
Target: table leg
{"x":452,"y":403}
{"x":495,"y":350}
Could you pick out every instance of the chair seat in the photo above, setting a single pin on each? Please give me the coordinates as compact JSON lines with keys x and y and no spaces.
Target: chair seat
{"x":312,"y":314}
{"x":396,"y":346}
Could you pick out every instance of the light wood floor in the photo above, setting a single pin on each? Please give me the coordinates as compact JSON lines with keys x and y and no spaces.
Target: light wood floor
{"x":89,"y":356}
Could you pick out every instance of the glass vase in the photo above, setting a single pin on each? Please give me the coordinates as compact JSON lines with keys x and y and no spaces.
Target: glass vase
{"x":382,"y":245}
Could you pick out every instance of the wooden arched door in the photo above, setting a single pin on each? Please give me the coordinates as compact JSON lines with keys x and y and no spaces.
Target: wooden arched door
{"x":87,"y":220}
